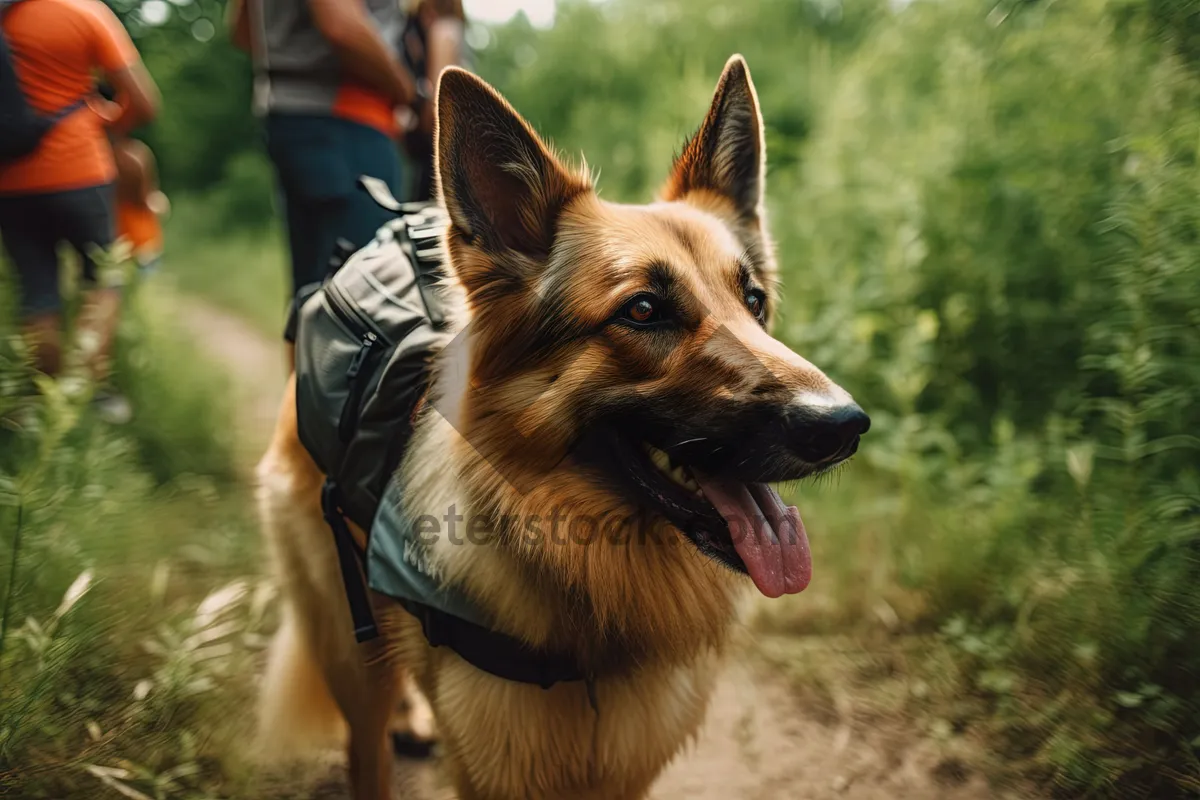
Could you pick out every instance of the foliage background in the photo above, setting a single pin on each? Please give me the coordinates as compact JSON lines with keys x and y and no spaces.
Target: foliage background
{"x":986,"y":219}
{"x":986,"y":215}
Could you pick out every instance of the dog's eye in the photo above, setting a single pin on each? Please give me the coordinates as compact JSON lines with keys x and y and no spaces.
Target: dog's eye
{"x":643,"y":309}
{"x":756,"y":301}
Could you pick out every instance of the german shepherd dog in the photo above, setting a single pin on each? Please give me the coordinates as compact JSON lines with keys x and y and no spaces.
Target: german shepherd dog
{"x":616,"y":373}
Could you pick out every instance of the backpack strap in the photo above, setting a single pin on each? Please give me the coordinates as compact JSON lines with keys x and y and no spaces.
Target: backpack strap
{"x":349,"y":558}
{"x":419,"y":231}
{"x":400,"y":569}
{"x":380,"y":193}
{"x":423,"y":232}
{"x":491,"y":651}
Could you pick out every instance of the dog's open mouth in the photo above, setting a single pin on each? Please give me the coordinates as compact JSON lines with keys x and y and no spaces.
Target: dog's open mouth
{"x":744,"y":525}
{"x":762,"y":535}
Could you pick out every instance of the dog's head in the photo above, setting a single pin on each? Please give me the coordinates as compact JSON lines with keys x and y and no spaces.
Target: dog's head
{"x":621,"y":369}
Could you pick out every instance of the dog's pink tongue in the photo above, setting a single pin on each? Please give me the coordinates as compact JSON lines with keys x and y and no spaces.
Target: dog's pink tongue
{"x":768,"y":535}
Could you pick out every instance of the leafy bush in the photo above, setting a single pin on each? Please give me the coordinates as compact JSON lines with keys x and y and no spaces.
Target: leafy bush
{"x":112,"y":647}
{"x":626,"y":82}
{"x":996,"y":250}
{"x":988,"y":233}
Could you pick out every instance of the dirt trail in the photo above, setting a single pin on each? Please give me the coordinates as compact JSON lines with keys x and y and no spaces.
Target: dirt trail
{"x":255,"y":364}
{"x":759,"y":742}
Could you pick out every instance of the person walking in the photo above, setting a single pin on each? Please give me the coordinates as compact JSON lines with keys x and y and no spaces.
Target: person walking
{"x":58,"y":187}
{"x":141,"y":204}
{"x":328,"y":82}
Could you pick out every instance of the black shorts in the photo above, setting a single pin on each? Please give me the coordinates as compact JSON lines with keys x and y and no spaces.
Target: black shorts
{"x":32,"y":227}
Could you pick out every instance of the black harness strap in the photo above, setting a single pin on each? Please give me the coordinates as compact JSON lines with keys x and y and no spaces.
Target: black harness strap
{"x":349,"y":557}
{"x":495,"y":653}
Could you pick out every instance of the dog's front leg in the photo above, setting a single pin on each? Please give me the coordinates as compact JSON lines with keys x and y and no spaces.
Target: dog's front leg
{"x":369,"y":713}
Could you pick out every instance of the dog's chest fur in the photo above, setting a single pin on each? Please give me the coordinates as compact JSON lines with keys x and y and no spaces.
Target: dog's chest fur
{"x":516,"y":740}
{"x":510,"y":739}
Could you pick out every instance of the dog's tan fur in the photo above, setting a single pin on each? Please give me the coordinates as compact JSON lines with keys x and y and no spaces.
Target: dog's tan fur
{"x":649,"y":622}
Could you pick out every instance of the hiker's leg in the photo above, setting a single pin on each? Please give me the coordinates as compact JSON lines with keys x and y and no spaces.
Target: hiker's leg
{"x":43,"y":334}
{"x":368,"y":152}
{"x":96,"y":329}
{"x":318,"y":161}
{"x":87,"y":222}
{"x":31,"y":243}
{"x":314,"y":185}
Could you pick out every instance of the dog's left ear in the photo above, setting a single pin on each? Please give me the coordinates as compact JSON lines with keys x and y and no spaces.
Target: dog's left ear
{"x":727,"y":155}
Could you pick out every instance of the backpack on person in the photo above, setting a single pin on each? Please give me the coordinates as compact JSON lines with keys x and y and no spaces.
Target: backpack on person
{"x":22,"y":127}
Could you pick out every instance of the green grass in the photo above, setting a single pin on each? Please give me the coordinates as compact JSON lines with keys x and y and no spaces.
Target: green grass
{"x":133,"y":603}
{"x":185,"y":407}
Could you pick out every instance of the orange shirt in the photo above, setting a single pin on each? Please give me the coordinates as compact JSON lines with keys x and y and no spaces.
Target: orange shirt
{"x":57,"y":45}
{"x":366,"y":107}
{"x":141,"y":227}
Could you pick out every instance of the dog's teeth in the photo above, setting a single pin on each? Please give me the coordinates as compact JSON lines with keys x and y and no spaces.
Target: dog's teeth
{"x":678,"y":473}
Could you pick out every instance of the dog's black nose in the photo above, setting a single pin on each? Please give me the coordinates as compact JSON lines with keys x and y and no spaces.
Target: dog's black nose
{"x":823,"y":435}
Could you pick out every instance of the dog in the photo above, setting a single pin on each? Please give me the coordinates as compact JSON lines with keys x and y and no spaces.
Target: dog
{"x":615,"y":411}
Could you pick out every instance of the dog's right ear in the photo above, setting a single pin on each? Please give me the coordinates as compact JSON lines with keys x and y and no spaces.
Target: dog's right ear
{"x":500,"y":184}
{"x":726,"y":156}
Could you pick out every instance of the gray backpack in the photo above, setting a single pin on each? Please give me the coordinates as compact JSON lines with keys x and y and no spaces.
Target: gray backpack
{"x":364,"y":342}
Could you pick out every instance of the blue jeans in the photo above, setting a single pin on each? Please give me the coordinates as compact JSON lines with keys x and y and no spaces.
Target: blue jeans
{"x":318,"y":160}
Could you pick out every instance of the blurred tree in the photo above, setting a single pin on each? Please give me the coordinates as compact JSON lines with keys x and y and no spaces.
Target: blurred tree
{"x":626,"y":81}
{"x":206,"y":121}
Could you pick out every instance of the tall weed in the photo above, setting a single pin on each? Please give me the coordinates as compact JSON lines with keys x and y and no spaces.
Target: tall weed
{"x":116,"y":659}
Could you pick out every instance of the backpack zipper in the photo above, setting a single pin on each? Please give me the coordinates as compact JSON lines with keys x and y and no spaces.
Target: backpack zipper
{"x":349,"y":418}
{"x":358,"y":324}
{"x":370,"y":337}
{"x":368,"y":341}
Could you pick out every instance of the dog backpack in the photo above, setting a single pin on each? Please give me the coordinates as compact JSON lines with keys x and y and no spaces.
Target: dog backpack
{"x":364,"y":341}
{"x":21,"y":126}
